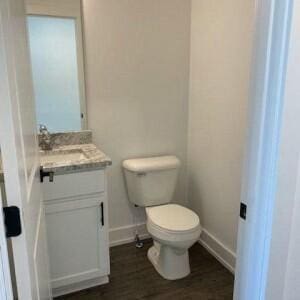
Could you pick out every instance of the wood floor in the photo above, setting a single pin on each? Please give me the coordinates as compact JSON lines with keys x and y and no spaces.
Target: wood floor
{"x":133,"y":277}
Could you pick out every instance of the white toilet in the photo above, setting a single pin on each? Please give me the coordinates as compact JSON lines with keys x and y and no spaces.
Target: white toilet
{"x":151,"y":183}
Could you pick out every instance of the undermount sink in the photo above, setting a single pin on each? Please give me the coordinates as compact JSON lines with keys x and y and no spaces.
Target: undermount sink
{"x":57,"y":156}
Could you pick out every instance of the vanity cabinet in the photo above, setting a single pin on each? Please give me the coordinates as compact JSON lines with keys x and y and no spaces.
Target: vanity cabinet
{"x":77,"y":230}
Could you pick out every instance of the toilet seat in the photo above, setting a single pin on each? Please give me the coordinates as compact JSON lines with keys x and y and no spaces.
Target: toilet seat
{"x":173,"y":219}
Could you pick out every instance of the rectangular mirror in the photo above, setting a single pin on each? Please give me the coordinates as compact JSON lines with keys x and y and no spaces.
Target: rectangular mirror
{"x":56,"y":52}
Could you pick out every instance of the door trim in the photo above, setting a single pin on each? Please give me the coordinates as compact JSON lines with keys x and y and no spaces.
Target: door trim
{"x":271,"y":42}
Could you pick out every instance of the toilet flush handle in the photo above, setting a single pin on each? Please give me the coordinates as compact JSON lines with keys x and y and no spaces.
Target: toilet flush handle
{"x":141,"y":174}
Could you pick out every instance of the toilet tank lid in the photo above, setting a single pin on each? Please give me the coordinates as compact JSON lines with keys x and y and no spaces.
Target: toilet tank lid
{"x":152,"y":163}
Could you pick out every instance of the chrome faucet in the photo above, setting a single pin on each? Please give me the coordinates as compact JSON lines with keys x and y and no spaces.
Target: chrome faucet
{"x":45,"y":138}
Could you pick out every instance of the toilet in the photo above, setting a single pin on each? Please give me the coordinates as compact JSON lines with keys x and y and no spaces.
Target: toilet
{"x":151,"y":184}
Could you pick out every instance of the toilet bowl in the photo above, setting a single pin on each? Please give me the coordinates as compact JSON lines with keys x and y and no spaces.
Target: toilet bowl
{"x":174,"y":230}
{"x":151,"y":183}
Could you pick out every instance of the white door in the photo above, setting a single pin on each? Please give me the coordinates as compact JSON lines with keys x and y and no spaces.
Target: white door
{"x":5,"y":278}
{"x":18,"y":142}
{"x":260,"y":175}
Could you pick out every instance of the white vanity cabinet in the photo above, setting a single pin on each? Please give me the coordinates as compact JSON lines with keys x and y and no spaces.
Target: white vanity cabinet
{"x":77,"y":230}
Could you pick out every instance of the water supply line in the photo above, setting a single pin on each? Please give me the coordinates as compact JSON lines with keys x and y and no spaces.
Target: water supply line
{"x":138,"y":243}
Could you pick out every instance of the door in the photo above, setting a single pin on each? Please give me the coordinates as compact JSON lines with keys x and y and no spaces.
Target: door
{"x":20,"y":155}
{"x":5,"y":278}
{"x":260,"y":174}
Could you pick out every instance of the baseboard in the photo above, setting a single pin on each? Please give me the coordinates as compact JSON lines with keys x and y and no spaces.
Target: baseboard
{"x":75,"y":287}
{"x":224,"y":255}
{"x":125,"y":234}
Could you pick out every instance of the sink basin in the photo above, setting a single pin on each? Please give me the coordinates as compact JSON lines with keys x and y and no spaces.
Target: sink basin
{"x":57,"y":156}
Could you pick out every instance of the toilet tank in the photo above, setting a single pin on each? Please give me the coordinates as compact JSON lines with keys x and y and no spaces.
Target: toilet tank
{"x":151,"y":181}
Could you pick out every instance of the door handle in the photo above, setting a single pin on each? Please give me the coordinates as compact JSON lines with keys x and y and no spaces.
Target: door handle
{"x":102,"y":213}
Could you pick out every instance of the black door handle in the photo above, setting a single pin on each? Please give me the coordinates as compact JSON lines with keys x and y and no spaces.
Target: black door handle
{"x":102,"y":213}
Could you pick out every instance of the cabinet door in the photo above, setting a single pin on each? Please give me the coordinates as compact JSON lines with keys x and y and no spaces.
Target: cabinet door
{"x":77,"y":240}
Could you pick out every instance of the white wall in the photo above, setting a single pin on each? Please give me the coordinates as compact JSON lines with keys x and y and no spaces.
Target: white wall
{"x":137,"y":79}
{"x":221,"y":40}
{"x":137,"y":71}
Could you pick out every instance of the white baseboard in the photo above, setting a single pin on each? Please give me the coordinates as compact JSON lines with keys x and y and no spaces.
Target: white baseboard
{"x":125,"y":234}
{"x":224,"y":255}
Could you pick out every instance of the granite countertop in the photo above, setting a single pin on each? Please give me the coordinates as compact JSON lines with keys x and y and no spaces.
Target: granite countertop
{"x":69,"y":158}
{"x":72,"y":152}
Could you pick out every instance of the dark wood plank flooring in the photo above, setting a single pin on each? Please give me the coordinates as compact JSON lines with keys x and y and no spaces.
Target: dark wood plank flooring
{"x":133,"y":277}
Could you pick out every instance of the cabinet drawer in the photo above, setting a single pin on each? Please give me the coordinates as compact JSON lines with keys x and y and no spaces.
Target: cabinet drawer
{"x":74,"y":185}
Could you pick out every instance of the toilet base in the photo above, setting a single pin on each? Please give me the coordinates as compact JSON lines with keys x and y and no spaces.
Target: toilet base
{"x":170,"y":263}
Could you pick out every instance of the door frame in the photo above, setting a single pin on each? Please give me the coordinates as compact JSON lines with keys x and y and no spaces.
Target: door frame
{"x":261,"y":166}
{"x":284,"y":264}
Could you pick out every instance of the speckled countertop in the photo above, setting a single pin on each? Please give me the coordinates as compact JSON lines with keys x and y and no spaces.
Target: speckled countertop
{"x":73,"y":158}
{"x":72,"y":152}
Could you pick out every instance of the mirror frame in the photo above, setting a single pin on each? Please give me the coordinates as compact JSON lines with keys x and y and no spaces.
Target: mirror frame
{"x":66,"y":9}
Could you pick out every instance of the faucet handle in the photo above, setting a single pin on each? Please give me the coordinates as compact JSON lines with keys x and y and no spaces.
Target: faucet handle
{"x":43,"y":128}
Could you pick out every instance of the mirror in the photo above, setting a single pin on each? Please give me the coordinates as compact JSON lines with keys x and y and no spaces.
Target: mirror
{"x":56,"y":53}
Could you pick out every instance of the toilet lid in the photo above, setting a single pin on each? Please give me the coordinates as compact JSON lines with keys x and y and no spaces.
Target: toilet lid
{"x":173,"y":217}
